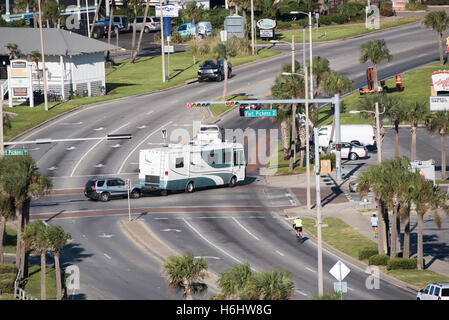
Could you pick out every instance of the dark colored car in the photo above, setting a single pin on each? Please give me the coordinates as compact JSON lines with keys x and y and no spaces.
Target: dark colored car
{"x":213,"y":70}
{"x":100,"y":31}
{"x":247,"y":107}
{"x":105,"y":188}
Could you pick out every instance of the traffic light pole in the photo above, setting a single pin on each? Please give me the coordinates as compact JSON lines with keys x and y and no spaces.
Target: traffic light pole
{"x":50,"y":140}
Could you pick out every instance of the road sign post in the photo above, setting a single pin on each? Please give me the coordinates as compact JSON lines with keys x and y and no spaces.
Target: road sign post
{"x":128,"y":186}
{"x":340,"y":271}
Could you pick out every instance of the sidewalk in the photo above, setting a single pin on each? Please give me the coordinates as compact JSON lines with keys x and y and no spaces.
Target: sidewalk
{"x":347,"y":212}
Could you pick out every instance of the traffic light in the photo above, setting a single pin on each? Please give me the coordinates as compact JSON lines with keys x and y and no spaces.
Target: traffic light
{"x":232,"y":104}
{"x":198,"y":105}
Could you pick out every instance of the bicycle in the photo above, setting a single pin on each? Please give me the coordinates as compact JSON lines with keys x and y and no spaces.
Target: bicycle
{"x":299,"y":237}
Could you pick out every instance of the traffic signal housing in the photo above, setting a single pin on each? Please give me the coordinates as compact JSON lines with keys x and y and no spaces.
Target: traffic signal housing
{"x":198,"y":105}
{"x":232,"y":104}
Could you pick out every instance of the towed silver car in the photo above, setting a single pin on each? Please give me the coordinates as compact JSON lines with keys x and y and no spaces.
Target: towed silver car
{"x":351,"y":151}
{"x":105,"y":188}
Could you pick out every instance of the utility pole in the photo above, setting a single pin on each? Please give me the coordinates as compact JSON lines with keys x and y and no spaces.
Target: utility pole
{"x":318,"y":214}
{"x":337,"y":137}
{"x":378,"y":137}
{"x":2,"y":150}
{"x":162,"y":42}
{"x":43,"y":57}
{"x":311,"y":55}
{"x":253,"y":49}
{"x":307,"y":118}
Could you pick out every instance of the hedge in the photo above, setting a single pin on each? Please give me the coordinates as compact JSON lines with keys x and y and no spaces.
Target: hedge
{"x":402,"y":263}
{"x":326,"y":20}
{"x":7,"y":268}
{"x":338,"y":18}
{"x":7,"y":283}
{"x":378,"y":260}
{"x":366,"y":253}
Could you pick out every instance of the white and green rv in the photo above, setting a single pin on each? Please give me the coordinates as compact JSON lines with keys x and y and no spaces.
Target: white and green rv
{"x":197,"y":164}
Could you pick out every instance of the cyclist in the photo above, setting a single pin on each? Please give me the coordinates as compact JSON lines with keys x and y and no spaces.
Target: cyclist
{"x":297,"y":225}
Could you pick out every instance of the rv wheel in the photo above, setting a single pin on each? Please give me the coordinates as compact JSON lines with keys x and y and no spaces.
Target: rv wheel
{"x":164,"y":193}
{"x":190,"y":187}
{"x":233,"y":182}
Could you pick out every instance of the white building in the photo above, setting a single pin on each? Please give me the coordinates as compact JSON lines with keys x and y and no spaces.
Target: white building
{"x":73,"y":62}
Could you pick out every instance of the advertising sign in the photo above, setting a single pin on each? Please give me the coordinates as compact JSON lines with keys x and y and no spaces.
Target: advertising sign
{"x":439,"y":103}
{"x":266,"y":33}
{"x":20,"y":83}
{"x":169,"y":10}
{"x":440,"y":80}
{"x":266,"y":24}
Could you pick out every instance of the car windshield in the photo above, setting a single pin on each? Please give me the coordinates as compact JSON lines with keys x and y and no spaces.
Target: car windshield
{"x":209,"y":64}
{"x":445,"y":292}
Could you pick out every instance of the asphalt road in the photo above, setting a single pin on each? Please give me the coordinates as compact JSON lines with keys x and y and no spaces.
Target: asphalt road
{"x":70,"y":165}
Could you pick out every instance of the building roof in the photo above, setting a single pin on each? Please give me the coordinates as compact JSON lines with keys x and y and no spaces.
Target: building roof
{"x":57,"y":42}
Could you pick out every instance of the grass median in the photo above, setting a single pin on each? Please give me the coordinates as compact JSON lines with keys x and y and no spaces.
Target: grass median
{"x":123,"y":80}
{"x":337,"y":32}
{"x":282,"y":166}
{"x":344,"y":238}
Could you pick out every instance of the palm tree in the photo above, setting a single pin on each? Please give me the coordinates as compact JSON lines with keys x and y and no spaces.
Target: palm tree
{"x":396,"y":112}
{"x":439,"y":122}
{"x":194,"y":14}
{"x":224,"y":51}
{"x":426,"y":197}
{"x":183,"y":273}
{"x":6,"y":213}
{"x":95,"y":18}
{"x":31,"y":4}
{"x":147,"y":6}
{"x":134,"y":4}
{"x":51,"y":11}
{"x":270,"y":285}
{"x":57,"y":240}
{"x":36,"y":237}
{"x":283,"y":117}
{"x":375,"y":51}
{"x":415,"y":113}
{"x":13,"y":50}
{"x":438,"y":21}
{"x":233,"y":282}
{"x":320,"y":71}
{"x":35,"y":56}
{"x":22,"y":181}
{"x":111,"y":17}
{"x":335,"y":83}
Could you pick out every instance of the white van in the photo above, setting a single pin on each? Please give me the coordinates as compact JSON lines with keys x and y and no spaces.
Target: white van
{"x":197,"y":164}
{"x":354,"y":133}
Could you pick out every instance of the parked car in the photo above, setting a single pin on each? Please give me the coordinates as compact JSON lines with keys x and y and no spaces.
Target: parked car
{"x":351,"y":151}
{"x":434,"y":291}
{"x":204,"y":29}
{"x":105,"y":188}
{"x":213,"y":70}
{"x":99,"y":30}
{"x":120,"y":23}
{"x":249,"y":106}
{"x":361,"y":134}
{"x":151,"y":24}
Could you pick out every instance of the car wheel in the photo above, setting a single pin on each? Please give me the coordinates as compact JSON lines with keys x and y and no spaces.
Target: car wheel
{"x":96,"y":35}
{"x":135,"y":194}
{"x":200,"y":36}
{"x":164,"y":193}
{"x":353,"y":156}
{"x":229,"y":74}
{"x":104,"y":197}
{"x":146,"y":30}
{"x":233,"y":182}
{"x":190,"y":187}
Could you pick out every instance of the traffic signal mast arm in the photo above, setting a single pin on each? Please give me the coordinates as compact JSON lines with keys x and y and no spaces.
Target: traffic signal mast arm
{"x":239,"y":102}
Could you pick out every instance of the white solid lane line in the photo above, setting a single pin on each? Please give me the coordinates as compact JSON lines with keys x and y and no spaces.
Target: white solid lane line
{"x":310,"y":270}
{"x":129,"y":154}
{"x":236,"y":221}
{"x":93,"y":147}
{"x":280,"y":253}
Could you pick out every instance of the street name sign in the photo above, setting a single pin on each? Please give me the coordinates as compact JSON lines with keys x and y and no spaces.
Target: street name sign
{"x":261,"y":113}
{"x":339,"y":271}
{"x":16,"y":152}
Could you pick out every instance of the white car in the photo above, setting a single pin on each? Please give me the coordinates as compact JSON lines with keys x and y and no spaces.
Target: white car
{"x":434,"y":291}
{"x":152,"y":24}
{"x":351,"y":151}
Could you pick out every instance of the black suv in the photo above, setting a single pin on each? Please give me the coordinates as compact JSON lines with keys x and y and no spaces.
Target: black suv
{"x":213,"y":70}
{"x":105,"y":188}
{"x":100,"y":30}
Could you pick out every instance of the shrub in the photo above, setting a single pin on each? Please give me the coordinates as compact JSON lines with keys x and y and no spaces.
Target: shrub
{"x":338,"y":18}
{"x":7,"y":283}
{"x":7,"y":268}
{"x":413,"y":5}
{"x":352,"y":10}
{"x":402,"y":263}
{"x":207,"y":45}
{"x":177,"y":38}
{"x":326,"y":20}
{"x":386,"y":5}
{"x":387,"y":12}
{"x":379,"y":260}
{"x":283,"y":24}
{"x":366,"y":253}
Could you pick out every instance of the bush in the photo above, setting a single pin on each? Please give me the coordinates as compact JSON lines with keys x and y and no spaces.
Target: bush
{"x":437,"y":2}
{"x":7,"y":268}
{"x":326,"y":20}
{"x":353,"y":11}
{"x":7,"y":283}
{"x":413,"y":5}
{"x":402,"y":263}
{"x":207,"y":45}
{"x":284,"y":24}
{"x":217,"y":16}
{"x":177,"y":38}
{"x":387,"y":12}
{"x":338,"y":18}
{"x":330,"y":157}
{"x":379,"y":260}
{"x":386,"y":5}
{"x":366,"y":253}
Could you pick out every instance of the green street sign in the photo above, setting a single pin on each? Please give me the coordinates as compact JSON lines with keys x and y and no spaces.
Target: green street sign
{"x":16,"y":152}
{"x":261,"y":113}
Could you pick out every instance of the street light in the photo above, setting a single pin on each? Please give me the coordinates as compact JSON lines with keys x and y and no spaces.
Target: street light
{"x":379,"y":141}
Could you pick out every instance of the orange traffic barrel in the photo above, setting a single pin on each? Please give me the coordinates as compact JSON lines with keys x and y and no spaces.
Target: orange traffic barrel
{"x":398,"y":79}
